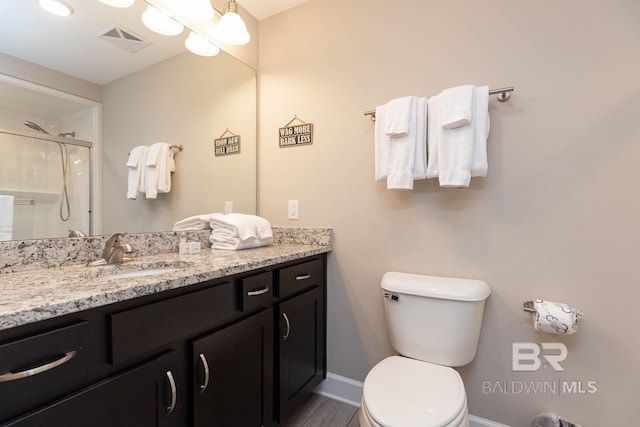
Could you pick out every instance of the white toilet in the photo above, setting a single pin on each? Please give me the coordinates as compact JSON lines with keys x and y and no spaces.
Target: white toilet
{"x":434,"y":323}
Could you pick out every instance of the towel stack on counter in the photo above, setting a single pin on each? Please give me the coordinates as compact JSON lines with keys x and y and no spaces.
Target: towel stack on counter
{"x":232,"y":231}
{"x":149,"y":170}
{"x":444,"y":137}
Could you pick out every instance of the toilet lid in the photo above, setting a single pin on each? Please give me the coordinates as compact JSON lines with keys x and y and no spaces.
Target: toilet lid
{"x":403,"y":392}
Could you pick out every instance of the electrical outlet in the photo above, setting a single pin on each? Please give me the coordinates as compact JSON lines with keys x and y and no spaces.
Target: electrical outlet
{"x":293,"y":212}
{"x":228,"y":207}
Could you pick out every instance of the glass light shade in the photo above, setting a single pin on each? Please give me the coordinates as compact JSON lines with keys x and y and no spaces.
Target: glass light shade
{"x":161,"y":22}
{"x":200,"y":45}
{"x":200,"y":10}
{"x":118,"y":3}
{"x":232,"y":29}
{"x":57,"y":7}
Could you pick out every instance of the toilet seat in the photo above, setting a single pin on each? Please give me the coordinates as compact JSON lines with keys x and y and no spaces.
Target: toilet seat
{"x":403,"y":392}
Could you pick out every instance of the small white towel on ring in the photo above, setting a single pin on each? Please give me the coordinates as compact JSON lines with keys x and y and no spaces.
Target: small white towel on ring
{"x":555,"y":317}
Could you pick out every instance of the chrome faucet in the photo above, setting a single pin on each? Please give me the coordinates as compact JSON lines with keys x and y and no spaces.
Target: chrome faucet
{"x":114,"y":251}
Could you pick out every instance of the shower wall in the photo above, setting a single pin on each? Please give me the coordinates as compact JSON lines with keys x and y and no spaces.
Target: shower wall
{"x":31,"y":171}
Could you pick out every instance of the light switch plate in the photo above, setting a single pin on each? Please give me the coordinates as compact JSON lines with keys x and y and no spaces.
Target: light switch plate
{"x":228,"y":207}
{"x":293,"y":212}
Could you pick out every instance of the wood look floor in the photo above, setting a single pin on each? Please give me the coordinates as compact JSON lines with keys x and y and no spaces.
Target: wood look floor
{"x":320,"y":411}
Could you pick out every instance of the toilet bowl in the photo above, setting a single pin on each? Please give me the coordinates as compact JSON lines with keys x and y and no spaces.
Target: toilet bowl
{"x":403,"y":392}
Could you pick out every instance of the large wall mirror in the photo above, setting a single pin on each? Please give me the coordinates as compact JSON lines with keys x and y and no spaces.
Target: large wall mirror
{"x":158,"y":94}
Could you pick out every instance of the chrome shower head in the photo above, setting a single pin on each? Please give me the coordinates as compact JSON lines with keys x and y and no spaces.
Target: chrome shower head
{"x":35,"y":127}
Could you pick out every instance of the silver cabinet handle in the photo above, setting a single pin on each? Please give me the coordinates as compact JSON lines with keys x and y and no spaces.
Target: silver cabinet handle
{"x":258,"y":292}
{"x":205,"y":365}
{"x":174,"y":393}
{"x":286,"y":319}
{"x":11,"y":376}
{"x":303,"y":277}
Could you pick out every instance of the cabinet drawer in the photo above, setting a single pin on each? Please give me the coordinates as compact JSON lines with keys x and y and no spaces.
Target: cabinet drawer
{"x":41,"y":367}
{"x":144,"y":329}
{"x":300,"y":277}
{"x":256,"y":291}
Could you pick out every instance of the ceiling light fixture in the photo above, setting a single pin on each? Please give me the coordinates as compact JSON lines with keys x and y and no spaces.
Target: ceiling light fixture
{"x":161,"y":22}
{"x":169,"y":17}
{"x":57,"y":7}
{"x":199,"y":10}
{"x":200,"y":45}
{"x":231,"y":28}
{"x":118,"y":3}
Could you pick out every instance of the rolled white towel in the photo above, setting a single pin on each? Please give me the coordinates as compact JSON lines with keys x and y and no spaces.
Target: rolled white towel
{"x":196,"y":222}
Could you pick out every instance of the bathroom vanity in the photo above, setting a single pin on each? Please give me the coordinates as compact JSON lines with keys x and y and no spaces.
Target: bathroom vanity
{"x":226,"y":338}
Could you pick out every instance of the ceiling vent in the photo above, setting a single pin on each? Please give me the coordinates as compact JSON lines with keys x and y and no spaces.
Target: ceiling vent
{"x":122,"y":38}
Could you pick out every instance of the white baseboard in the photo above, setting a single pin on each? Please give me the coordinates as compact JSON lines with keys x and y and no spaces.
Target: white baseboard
{"x":349,"y":391}
{"x":482,"y":422}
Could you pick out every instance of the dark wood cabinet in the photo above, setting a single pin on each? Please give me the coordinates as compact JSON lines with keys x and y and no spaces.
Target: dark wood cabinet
{"x":142,"y":397}
{"x":239,"y":351}
{"x":301,"y":346}
{"x":233,"y":382}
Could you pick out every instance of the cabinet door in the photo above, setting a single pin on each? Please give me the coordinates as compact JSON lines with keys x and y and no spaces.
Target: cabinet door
{"x":301,"y":348}
{"x":141,"y":397}
{"x":233,"y":371}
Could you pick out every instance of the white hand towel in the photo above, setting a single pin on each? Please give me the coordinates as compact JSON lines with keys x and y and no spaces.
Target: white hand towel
{"x":157,"y":170}
{"x":233,"y":244}
{"x":165,"y":165}
{"x":420,"y":163}
{"x":434,"y":131}
{"x":6,"y":217}
{"x":196,"y":222}
{"x":399,"y":115}
{"x":135,"y":167}
{"x":402,"y":156}
{"x":455,"y":155}
{"x":457,"y":106}
{"x":381,"y":143}
{"x":481,"y":123}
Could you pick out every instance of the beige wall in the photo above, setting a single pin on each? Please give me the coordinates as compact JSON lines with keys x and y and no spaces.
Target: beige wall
{"x":185,"y":100}
{"x":556,"y":218}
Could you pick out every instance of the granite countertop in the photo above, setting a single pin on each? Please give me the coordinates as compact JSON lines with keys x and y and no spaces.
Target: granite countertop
{"x":31,"y":296}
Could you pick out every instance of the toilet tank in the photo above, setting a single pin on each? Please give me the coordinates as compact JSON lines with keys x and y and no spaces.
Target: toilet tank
{"x":434,"y":319}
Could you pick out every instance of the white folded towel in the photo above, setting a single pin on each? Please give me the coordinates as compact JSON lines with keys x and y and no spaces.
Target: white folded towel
{"x":6,"y":217}
{"x":399,"y":115}
{"x":460,"y":152}
{"x":135,"y":170}
{"x":402,"y":156}
{"x":196,"y":222}
{"x":158,"y":170}
{"x":239,"y":231}
{"x":420,"y":162}
{"x":482,"y":124}
{"x":457,"y":106}
{"x":434,"y":130}
{"x":381,"y":143}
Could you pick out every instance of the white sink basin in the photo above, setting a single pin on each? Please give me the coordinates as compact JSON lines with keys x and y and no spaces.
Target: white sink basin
{"x":140,"y":273}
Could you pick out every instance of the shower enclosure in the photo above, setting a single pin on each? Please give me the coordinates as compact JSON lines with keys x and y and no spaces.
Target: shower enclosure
{"x":50,"y":179}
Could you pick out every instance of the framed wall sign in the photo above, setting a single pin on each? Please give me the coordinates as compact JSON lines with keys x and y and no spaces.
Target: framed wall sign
{"x":292,"y":135}
{"x":227,"y":143}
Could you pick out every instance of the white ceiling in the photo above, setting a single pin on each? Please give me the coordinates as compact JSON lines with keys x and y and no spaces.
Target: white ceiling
{"x":70,"y":45}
